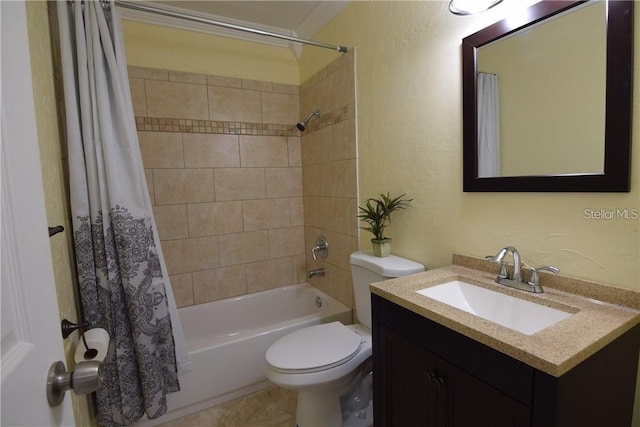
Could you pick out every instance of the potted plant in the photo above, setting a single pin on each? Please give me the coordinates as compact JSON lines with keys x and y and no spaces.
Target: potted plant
{"x":376,"y":213}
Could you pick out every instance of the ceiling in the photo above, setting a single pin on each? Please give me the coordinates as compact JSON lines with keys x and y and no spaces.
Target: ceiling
{"x":298,"y":18}
{"x":287,"y":15}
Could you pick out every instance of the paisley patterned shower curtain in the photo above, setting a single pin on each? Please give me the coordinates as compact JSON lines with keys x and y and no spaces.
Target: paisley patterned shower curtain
{"x":124,"y":285}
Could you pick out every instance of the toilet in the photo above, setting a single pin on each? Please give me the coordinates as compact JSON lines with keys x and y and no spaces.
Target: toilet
{"x":320,"y":361}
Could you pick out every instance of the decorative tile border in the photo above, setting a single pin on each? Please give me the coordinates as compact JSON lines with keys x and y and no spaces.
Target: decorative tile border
{"x":155,"y":124}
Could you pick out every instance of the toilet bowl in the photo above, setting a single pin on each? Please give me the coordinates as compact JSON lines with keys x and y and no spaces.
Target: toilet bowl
{"x":321,"y":361}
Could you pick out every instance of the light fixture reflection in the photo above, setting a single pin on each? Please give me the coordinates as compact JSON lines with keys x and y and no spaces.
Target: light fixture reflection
{"x":470,"y":7}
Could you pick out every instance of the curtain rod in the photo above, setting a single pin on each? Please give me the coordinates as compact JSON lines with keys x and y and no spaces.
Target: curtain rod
{"x":172,"y":14}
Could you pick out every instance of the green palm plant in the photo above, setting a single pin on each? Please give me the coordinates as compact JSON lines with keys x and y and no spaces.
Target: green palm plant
{"x":376,"y":213}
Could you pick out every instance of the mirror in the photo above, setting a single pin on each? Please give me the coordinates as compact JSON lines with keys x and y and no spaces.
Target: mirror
{"x":547,"y":100}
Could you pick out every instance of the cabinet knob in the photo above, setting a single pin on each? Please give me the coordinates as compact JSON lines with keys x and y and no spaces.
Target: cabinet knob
{"x":434,"y":380}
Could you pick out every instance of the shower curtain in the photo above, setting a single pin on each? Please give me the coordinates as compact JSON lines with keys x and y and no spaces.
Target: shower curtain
{"x":488,"y":126}
{"x":124,"y":286}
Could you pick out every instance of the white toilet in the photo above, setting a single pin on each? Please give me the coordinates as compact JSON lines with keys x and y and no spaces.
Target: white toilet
{"x":320,"y":361}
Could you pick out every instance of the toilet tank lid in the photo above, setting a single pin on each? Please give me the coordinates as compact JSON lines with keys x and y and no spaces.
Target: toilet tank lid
{"x":391,"y":266}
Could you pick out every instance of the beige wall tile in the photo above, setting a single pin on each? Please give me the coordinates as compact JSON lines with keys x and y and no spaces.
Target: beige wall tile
{"x":206,"y":219}
{"x":173,"y":186}
{"x":340,"y":252}
{"x":295,"y":151}
{"x":299,"y":269}
{"x":138,"y":98}
{"x":188,"y":255}
{"x":224,"y":81}
{"x":312,"y":180}
{"x":269,"y":274}
{"x":242,"y":248}
{"x":353,"y":178}
{"x":171,"y":221}
{"x":264,"y":151}
{"x":284,"y":182}
{"x":236,"y":105}
{"x":309,"y":99}
{"x":337,"y":179}
{"x":176,"y":100}
{"x":286,"y":242}
{"x":161,"y":149}
{"x":211,"y":150}
{"x":182,"y":289}
{"x":346,"y":216}
{"x":320,"y":212}
{"x":343,"y":140}
{"x":296,"y":210}
{"x":344,"y":288}
{"x":183,"y":77}
{"x":316,"y":147}
{"x":280,"y":108}
{"x":334,"y":91}
{"x":265,"y":214}
{"x":263,"y":86}
{"x":148,"y":73}
{"x":225,"y":282}
{"x":285,"y":88}
{"x":239,"y":183}
{"x":148,"y":174}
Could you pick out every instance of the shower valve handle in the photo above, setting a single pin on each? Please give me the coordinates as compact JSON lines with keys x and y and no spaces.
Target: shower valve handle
{"x":320,"y":249}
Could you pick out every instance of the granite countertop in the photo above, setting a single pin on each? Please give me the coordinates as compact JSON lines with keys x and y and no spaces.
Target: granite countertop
{"x":601,"y":313}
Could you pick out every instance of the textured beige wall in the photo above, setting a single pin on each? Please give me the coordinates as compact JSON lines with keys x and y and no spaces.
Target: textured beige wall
{"x":53,"y":160}
{"x":171,"y":49}
{"x":409,"y":97}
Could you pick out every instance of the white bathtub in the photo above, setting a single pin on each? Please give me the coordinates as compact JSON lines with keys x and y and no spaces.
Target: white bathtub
{"x":227,"y":341}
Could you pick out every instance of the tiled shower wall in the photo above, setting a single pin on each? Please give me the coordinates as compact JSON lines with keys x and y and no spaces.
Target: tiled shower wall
{"x":330,"y":174}
{"x":226,"y":169}
{"x":223,"y":163}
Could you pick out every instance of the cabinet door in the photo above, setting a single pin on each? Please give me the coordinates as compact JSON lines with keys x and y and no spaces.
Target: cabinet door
{"x":471,"y":402}
{"x":406,"y":396}
{"x":419,"y":389}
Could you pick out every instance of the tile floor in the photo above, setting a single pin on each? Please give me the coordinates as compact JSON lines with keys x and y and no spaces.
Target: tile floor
{"x":272,"y":407}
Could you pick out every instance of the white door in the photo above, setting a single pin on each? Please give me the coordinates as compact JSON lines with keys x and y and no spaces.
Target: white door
{"x":31,"y":339}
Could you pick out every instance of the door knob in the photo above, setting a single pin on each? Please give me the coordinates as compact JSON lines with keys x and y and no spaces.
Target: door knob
{"x":85,"y":378}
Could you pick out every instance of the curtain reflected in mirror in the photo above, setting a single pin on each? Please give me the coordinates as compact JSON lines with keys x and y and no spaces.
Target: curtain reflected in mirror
{"x":488,"y":125}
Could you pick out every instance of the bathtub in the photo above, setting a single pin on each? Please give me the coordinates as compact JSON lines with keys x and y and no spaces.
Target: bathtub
{"x":227,"y":341}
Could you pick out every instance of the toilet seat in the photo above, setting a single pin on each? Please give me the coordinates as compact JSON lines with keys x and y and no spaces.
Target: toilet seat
{"x":314,"y":349}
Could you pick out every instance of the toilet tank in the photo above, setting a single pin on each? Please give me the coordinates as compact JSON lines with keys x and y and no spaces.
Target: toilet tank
{"x":366,"y":269}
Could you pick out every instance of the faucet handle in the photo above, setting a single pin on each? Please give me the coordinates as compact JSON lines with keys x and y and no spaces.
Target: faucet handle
{"x":320,"y":249}
{"x":504,"y":270}
{"x":534,"y":279}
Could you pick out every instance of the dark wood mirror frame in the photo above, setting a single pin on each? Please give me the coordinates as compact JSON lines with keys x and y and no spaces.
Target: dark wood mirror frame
{"x":617,"y":156}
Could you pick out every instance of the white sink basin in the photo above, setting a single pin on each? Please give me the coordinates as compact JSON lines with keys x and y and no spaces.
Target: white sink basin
{"x":514,"y":313}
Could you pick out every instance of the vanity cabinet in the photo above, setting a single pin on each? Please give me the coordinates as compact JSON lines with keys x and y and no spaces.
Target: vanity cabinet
{"x":427,"y":375}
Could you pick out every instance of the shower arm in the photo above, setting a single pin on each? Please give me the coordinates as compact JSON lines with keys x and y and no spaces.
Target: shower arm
{"x":193,"y":18}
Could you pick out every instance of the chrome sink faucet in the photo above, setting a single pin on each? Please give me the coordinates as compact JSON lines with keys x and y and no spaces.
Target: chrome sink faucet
{"x":516,"y":280}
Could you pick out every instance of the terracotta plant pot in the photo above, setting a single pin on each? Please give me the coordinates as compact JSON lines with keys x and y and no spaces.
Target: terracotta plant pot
{"x":381,"y":248}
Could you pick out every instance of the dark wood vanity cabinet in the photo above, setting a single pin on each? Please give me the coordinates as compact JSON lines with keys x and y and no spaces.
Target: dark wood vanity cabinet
{"x":427,"y":375}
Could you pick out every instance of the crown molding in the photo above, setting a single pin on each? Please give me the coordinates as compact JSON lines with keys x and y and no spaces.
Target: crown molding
{"x":183,"y":24}
{"x":320,"y":16}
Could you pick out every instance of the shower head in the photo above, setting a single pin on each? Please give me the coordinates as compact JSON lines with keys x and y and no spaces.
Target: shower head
{"x":302,"y":125}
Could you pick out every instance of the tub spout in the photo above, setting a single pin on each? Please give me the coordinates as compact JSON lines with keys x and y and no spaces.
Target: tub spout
{"x":316,"y":272}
